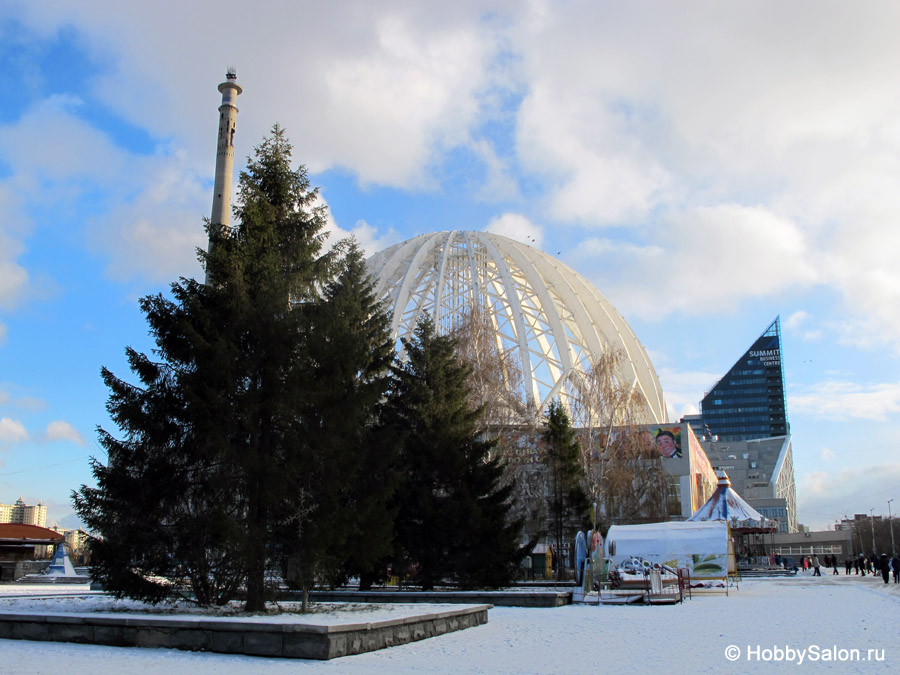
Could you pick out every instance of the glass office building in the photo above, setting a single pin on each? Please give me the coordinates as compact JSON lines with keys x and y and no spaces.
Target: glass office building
{"x":749,"y":402}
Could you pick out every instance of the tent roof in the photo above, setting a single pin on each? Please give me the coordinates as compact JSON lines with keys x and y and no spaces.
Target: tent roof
{"x":16,"y":533}
{"x":61,"y":566}
{"x":651,"y":530}
{"x":726,"y":504}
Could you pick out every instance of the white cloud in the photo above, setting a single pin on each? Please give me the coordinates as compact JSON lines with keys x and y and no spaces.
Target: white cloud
{"x":684,"y":390}
{"x":636,"y":121}
{"x":798,"y":323}
{"x":419,"y":93}
{"x":707,"y":257}
{"x":51,"y":144}
{"x":154,"y":234}
{"x":649,"y":115}
{"x":827,"y":454}
{"x":518,"y":227}
{"x":4,"y":331}
{"x":30,"y":403}
{"x":841,"y":400}
{"x":366,"y":235}
{"x":60,"y":430}
{"x":149,"y":220}
{"x":12,"y":431}
{"x":817,"y":483}
{"x":596,"y":182}
{"x":796,"y":319}
{"x":380,"y":89}
{"x":13,"y":276}
{"x":370,"y":241}
{"x":13,"y":224}
{"x":826,"y":496}
{"x":499,"y":183}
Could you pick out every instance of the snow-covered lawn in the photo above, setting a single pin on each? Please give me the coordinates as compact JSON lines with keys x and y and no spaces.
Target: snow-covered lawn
{"x":321,"y":614}
{"x":842,"y":617}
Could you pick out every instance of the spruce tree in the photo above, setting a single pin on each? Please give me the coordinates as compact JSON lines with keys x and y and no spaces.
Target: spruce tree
{"x":219,"y":414}
{"x":453,"y":518}
{"x":568,"y":501}
{"x":340,"y":520}
{"x":163,"y":506}
{"x":268,"y":272}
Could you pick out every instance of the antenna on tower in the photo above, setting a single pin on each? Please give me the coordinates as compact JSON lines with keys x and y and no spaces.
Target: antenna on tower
{"x":231,"y":73}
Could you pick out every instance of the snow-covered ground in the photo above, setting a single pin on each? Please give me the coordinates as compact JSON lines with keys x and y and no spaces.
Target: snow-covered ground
{"x":770,"y":623}
{"x":321,"y":614}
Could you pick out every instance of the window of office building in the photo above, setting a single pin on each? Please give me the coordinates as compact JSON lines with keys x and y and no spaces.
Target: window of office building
{"x":749,"y":402}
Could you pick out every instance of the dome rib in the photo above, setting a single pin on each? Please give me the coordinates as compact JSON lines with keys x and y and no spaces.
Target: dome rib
{"x":555,"y":320}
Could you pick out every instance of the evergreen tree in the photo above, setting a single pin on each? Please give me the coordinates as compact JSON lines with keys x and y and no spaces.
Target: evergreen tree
{"x":568,"y":500}
{"x":162,"y":505}
{"x":269,"y":271}
{"x":453,"y":514}
{"x":346,"y":473}
{"x":220,"y":412}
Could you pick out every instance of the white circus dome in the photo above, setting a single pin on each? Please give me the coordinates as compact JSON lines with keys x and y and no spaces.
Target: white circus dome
{"x":557,"y":322}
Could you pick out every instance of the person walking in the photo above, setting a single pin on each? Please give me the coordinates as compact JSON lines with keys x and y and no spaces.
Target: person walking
{"x":895,"y":564}
{"x":834,"y":564}
{"x":885,"y":568}
{"x":817,"y":566}
{"x":848,"y":565}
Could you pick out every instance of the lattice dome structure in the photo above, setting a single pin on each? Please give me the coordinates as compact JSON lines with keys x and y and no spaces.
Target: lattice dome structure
{"x":555,"y":320}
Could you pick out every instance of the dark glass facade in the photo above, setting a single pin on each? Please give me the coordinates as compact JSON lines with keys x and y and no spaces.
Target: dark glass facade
{"x":749,"y":402}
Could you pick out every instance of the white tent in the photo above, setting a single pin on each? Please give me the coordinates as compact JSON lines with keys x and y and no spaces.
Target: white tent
{"x":701,"y":547}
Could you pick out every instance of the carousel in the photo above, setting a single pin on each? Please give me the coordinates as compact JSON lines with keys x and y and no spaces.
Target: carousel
{"x":748,"y":526}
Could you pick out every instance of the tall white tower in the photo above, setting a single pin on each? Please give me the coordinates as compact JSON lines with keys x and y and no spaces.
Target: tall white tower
{"x":221,"y":207}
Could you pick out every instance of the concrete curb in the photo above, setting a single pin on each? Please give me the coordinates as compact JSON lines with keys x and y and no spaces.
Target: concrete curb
{"x":495,"y":598}
{"x":301,"y":641}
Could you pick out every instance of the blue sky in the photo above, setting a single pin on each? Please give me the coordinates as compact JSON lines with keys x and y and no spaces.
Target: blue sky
{"x":706,"y":166}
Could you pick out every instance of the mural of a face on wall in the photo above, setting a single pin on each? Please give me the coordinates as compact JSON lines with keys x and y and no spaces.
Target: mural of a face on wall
{"x":667,"y":444}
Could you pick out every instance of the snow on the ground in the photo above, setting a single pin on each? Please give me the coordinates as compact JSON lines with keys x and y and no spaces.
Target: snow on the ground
{"x":768,"y":617}
{"x":321,"y":614}
{"x":43,"y":589}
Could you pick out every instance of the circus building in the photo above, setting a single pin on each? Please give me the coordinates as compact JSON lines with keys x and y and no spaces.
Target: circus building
{"x":554,"y":321}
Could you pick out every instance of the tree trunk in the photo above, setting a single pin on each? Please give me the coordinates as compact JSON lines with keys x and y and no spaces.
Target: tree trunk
{"x":256,"y":550}
{"x":256,"y":575}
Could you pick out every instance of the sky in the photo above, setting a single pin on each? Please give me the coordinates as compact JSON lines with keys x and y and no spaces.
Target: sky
{"x":708,"y":166}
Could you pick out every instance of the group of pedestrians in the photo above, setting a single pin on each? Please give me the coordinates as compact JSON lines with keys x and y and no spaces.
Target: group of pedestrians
{"x":861,"y":565}
{"x":813,"y":563}
{"x":873,"y":564}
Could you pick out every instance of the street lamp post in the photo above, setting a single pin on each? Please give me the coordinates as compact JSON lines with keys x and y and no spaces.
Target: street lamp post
{"x":891,"y":523}
{"x":872,"y":521}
